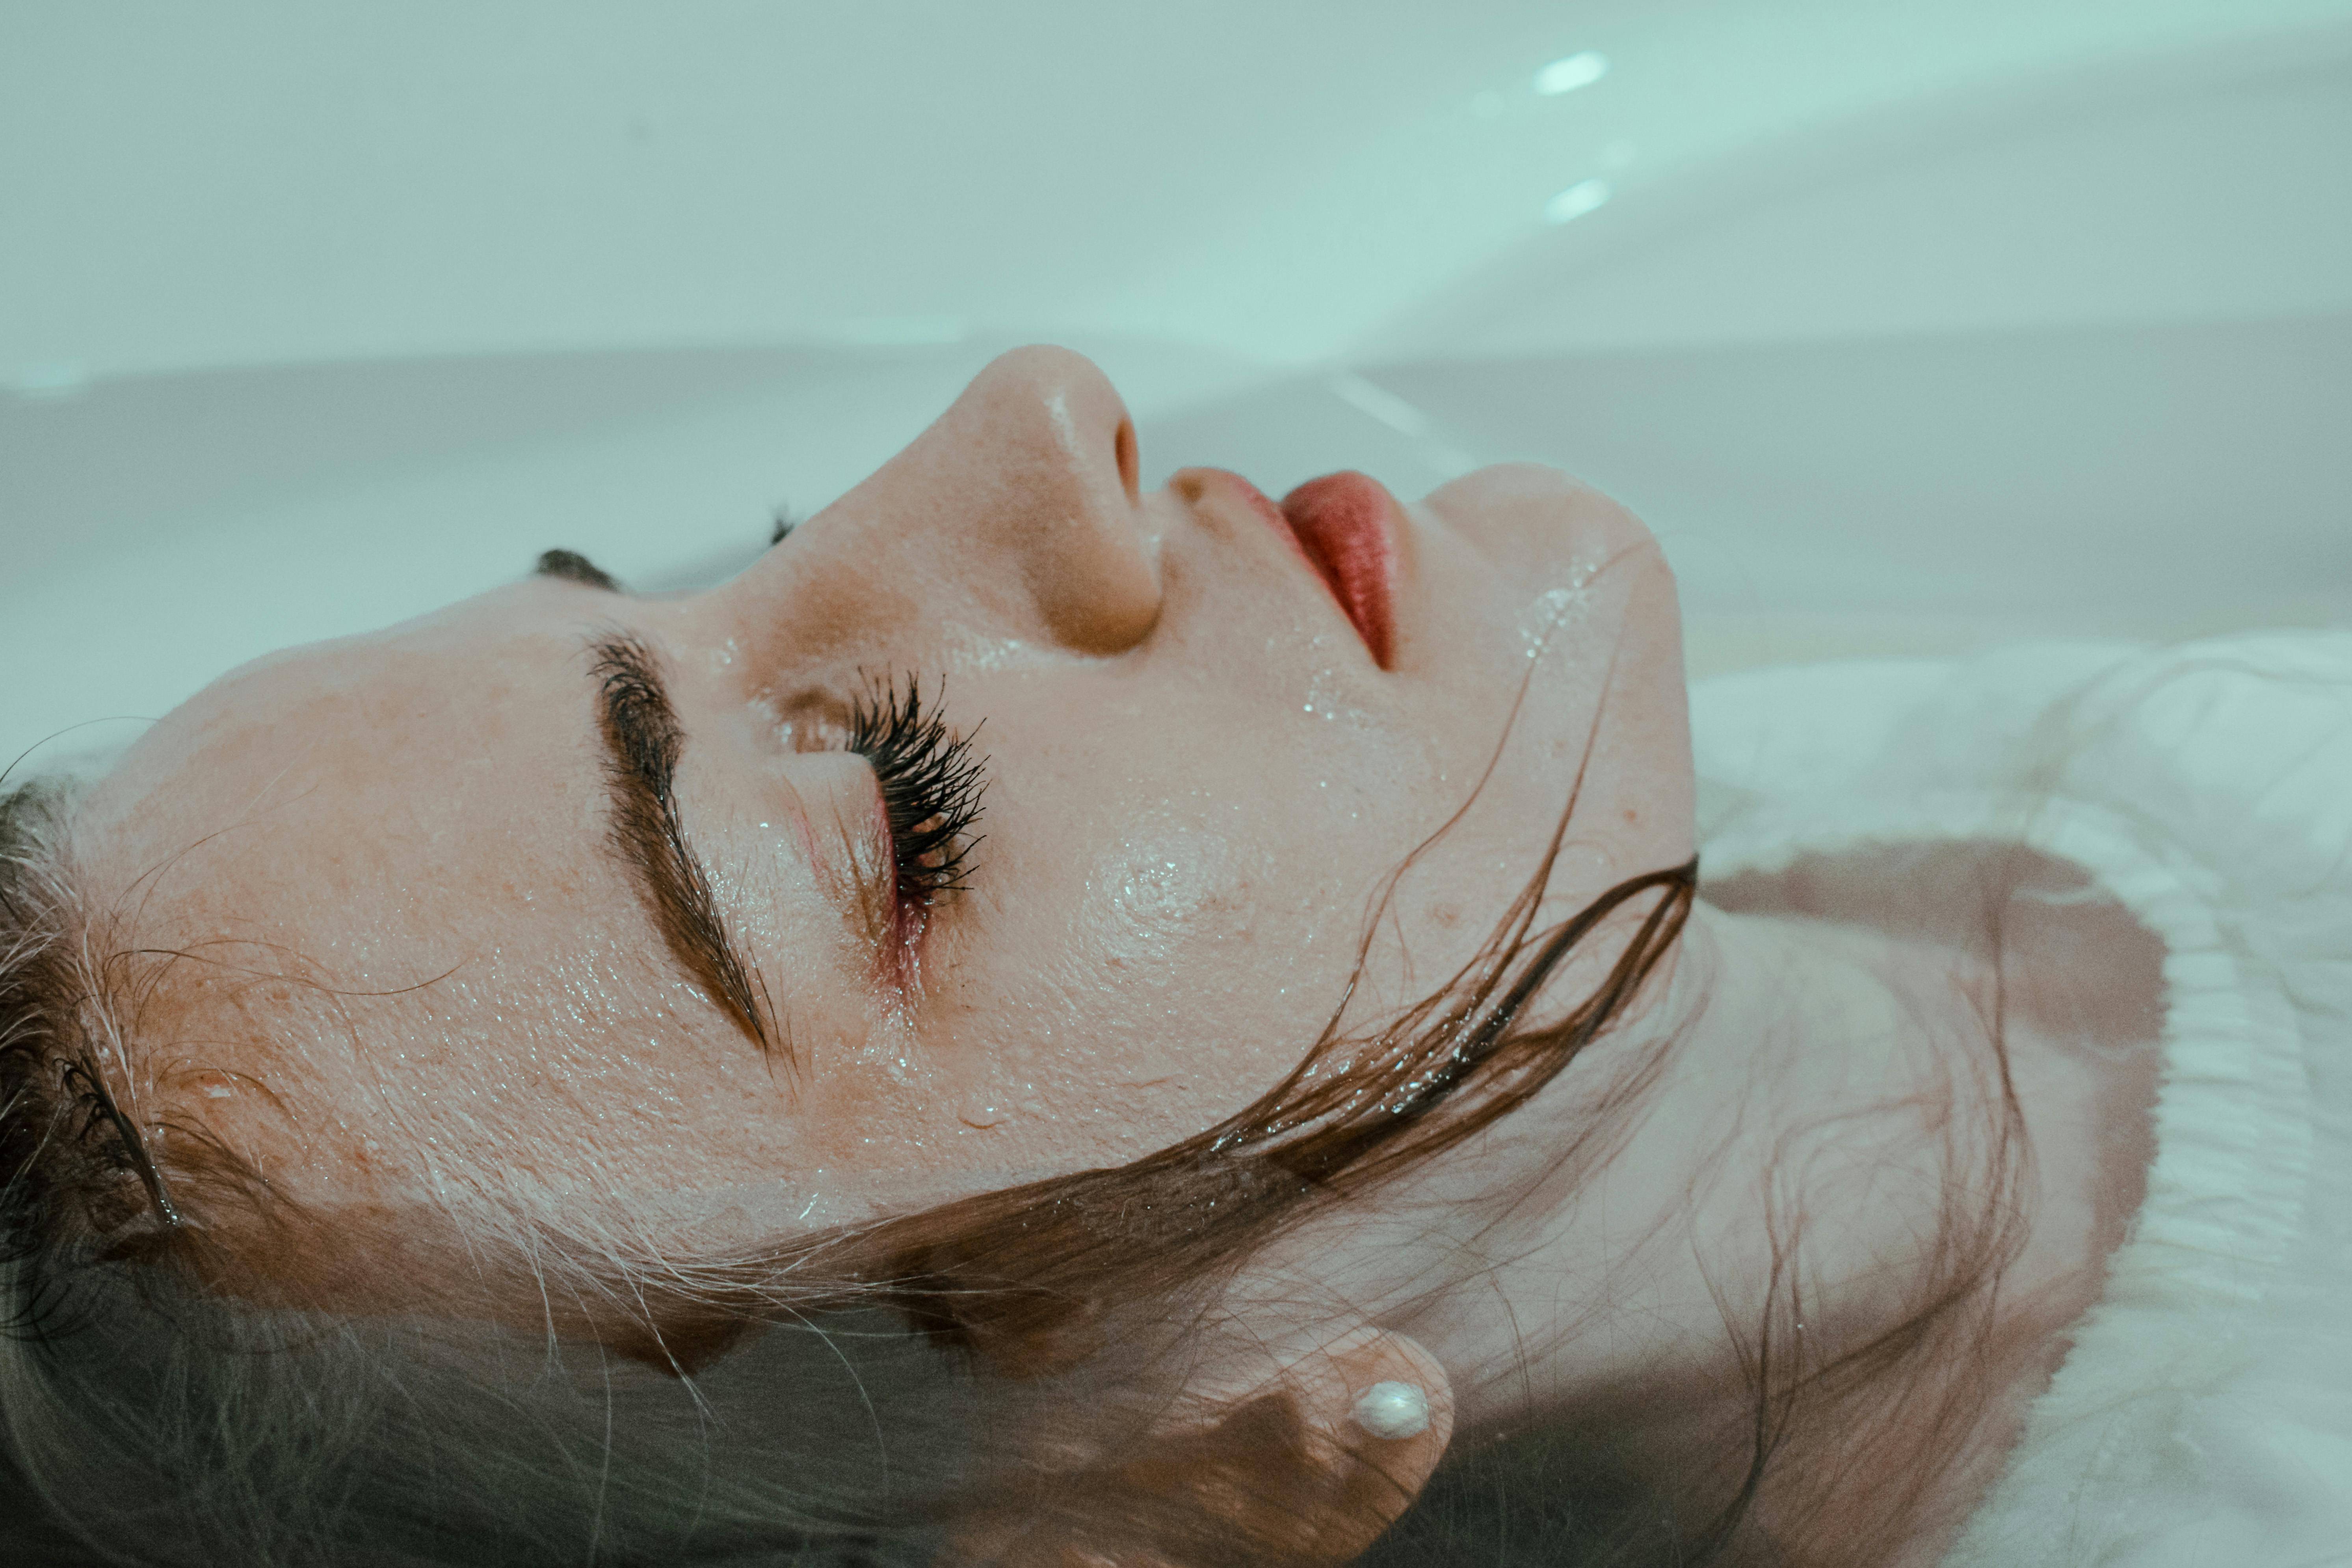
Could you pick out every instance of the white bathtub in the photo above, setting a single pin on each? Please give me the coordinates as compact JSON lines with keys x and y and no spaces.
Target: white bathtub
{"x":1905,"y":326}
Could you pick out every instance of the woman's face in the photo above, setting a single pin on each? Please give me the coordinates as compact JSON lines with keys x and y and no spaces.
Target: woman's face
{"x":443,"y":921}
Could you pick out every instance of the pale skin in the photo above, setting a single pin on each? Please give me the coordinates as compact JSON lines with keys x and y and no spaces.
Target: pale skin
{"x":1198,"y":779}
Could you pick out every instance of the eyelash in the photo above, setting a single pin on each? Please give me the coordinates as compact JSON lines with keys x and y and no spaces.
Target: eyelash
{"x":931,"y":784}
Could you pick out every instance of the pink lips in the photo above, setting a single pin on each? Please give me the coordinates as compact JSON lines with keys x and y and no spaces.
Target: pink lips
{"x":1346,"y":522}
{"x":1344,"y":526}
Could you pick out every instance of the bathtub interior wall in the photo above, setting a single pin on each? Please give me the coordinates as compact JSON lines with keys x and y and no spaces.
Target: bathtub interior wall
{"x":1907,"y":328}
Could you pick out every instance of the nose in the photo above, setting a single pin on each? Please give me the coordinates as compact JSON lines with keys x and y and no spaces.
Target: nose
{"x":1018,"y":508}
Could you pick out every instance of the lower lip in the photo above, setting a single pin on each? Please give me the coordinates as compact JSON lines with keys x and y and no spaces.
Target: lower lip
{"x":1347,"y":525}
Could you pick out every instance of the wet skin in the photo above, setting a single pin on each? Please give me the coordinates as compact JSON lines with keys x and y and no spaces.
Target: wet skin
{"x":415,"y":956}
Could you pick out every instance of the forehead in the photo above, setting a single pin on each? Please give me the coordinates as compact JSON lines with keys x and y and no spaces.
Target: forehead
{"x":409,"y":732}
{"x":366,"y":887}
{"x":367,"y":812}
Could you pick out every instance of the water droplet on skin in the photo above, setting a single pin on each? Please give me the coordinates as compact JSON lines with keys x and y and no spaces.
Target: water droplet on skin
{"x":1551,"y":610}
{"x":989,"y":654}
{"x":1324,"y":698}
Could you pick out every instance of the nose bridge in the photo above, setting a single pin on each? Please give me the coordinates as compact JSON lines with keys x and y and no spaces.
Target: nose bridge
{"x":1039,"y":459}
{"x":1015,"y":513}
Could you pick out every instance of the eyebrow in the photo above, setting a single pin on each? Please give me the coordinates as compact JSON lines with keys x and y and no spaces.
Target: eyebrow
{"x":642,"y":742}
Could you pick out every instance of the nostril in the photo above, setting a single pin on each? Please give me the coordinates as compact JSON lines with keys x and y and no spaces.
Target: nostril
{"x":1129,"y":466}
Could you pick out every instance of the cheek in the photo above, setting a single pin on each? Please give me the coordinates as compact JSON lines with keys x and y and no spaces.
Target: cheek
{"x":1165,"y":901}
{"x":1177,"y":980}
{"x":1169,"y":926}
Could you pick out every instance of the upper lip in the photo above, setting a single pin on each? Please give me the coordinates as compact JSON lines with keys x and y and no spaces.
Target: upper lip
{"x":1343,"y":526}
